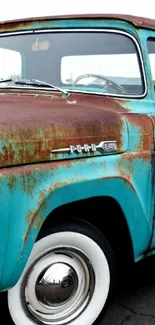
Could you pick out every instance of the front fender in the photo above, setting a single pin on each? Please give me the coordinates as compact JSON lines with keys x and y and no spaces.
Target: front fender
{"x":30,"y":193}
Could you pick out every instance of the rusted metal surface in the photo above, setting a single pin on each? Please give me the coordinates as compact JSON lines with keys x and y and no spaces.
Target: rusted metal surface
{"x":101,"y":102}
{"x":32,"y":123}
{"x":32,"y":126}
{"x":134,"y":20}
{"x":126,"y":164}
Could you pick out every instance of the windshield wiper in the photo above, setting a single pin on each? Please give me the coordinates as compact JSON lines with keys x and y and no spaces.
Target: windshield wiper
{"x":34,"y":82}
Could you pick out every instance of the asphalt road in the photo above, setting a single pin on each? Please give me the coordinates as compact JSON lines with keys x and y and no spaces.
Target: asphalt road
{"x":134,"y":303}
{"x":135,"y":300}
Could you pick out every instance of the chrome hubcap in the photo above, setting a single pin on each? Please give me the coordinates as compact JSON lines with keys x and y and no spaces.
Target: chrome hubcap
{"x":58,"y":286}
{"x":58,"y":283}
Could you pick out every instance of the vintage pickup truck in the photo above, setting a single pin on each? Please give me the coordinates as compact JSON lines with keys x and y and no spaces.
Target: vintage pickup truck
{"x":77,"y":162}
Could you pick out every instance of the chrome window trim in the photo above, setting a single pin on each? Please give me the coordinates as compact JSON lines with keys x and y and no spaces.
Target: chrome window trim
{"x":16,"y":33}
{"x":103,"y":30}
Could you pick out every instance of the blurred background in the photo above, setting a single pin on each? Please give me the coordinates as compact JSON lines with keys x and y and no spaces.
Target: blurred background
{"x":19,"y":9}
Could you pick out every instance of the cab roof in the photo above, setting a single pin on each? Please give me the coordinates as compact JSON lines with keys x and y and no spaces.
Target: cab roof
{"x":137,"y":21}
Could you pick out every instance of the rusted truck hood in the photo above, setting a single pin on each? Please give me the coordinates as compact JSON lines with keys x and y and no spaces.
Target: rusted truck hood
{"x":31,"y":126}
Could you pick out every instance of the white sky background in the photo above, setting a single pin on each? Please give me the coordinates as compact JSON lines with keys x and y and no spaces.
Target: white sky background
{"x":12,"y":9}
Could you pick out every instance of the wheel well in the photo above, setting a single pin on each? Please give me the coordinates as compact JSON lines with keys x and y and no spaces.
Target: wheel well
{"x":107,"y":216}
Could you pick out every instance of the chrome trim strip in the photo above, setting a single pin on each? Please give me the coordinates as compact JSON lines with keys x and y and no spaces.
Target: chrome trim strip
{"x":16,"y":33}
{"x":92,"y":30}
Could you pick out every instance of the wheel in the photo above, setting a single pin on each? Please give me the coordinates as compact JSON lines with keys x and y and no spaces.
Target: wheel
{"x":69,"y":278}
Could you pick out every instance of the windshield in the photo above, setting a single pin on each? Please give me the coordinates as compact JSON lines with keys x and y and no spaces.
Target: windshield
{"x":89,"y":61}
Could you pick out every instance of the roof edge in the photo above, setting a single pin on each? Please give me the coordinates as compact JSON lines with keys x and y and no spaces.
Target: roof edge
{"x":134,"y":20}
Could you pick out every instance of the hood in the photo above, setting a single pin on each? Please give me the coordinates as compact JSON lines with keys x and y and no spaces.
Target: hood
{"x":32,"y":126}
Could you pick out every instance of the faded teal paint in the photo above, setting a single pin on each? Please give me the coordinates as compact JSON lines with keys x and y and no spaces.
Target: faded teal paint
{"x":134,"y":137}
{"x":143,"y":36}
{"x":100,"y":176}
{"x":35,"y":190}
{"x":1,"y":145}
{"x":141,"y":106}
{"x":138,"y":167}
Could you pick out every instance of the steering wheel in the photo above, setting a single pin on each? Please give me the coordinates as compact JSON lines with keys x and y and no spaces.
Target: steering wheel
{"x":109,"y":84}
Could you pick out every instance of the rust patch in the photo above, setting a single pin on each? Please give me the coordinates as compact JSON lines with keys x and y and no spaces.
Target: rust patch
{"x":37,"y":224}
{"x":145,"y":125}
{"x":28,"y":170}
{"x":11,"y":182}
{"x":125,"y":167}
{"x":42,"y":195}
{"x":29,"y":186}
{"x":15,"y":25}
{"x":101,"y":102}
{"x":33,"y":218}
{"x":126,"y":176}
{"x":30,"y":217}
{"x":144,"y":155}
{"x":57,"y":185}
{"x":125,"y":164}
{"x":29,"y":92}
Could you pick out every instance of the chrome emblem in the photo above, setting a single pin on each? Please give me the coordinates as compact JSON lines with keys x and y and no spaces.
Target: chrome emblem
{"x":103,"y":146}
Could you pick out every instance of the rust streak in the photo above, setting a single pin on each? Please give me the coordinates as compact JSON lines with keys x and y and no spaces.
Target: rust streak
{"x":144,"y":124}
{"x":33,"y":218}
{"x":30,"y":217}
{"x":126,"y":176}
{"x":144,"y":155}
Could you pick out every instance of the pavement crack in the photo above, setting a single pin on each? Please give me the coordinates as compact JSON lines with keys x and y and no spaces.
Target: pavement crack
{"x":125,"y":320}
{"x":133,"y":312}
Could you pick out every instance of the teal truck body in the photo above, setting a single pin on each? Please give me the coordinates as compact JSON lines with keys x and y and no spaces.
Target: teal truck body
{"x":85,"y":149}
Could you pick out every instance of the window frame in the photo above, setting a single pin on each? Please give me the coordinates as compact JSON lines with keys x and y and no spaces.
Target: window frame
{"x":89,"y":30}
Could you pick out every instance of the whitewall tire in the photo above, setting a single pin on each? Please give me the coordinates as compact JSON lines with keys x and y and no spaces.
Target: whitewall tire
{"x":67,"y":280}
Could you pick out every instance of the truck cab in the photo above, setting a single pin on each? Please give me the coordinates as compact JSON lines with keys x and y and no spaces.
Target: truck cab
{"x":77,"y":162}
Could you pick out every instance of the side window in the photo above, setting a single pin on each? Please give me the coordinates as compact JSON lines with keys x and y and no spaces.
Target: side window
{"x":151,"y":51}
{"x":10,"y":64}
